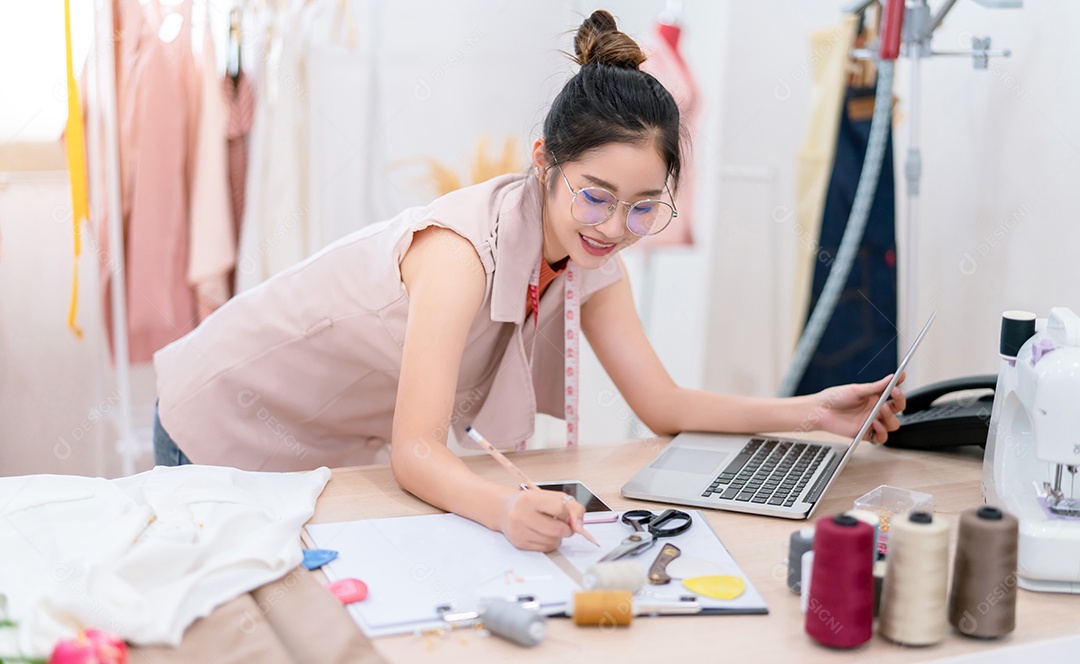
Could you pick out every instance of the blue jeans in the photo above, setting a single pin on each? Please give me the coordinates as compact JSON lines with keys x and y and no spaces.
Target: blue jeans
{"x":166,"y":453}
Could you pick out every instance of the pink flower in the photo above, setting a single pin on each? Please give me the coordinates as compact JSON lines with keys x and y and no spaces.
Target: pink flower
{"x":90,"y":647}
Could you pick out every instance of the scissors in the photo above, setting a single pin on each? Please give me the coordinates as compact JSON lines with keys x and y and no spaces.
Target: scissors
{"x":648,"y":527}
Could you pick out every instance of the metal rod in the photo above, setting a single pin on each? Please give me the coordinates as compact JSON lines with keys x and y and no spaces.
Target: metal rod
{"x":938,"y":18}
{"x":125,"y":446}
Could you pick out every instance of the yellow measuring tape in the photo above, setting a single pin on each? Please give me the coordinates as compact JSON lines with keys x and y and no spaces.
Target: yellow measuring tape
{"x":76,"y":154}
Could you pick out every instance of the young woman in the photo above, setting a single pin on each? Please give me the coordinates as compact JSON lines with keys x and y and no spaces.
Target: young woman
{"x":453,"y":314}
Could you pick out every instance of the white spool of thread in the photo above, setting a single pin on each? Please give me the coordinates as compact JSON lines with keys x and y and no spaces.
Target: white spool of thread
{"x":914,"y":599}
{"x":615,"y":575}
{"x":807,"y":572}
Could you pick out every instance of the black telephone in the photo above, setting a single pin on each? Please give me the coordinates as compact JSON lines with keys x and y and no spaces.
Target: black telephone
{"x":926,"y":424}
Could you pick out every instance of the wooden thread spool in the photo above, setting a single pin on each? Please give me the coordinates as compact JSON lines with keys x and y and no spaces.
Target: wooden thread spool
{"x":841,"y":602}
{"x":983,"y":599}
{"x":914,"y":599}
{"x":603,"y":608}
{"x":615,"y":575}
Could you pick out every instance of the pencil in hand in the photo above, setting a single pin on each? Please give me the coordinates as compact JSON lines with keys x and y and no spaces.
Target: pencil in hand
{"x":526,"y":483}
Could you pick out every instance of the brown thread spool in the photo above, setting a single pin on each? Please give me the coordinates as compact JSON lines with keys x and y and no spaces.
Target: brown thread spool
{"x":983,"y":600}
{"x":603,"y":608}
{"x":915,"y":594}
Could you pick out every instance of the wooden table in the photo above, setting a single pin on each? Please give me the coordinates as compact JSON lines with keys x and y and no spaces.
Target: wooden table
{"x":758,"y":544}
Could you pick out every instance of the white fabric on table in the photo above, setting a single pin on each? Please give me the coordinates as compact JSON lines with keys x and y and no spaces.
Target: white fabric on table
{"x":142,"y":556}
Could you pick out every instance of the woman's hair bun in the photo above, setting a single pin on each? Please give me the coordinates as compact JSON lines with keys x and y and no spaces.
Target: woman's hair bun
{"x":599,"y":42}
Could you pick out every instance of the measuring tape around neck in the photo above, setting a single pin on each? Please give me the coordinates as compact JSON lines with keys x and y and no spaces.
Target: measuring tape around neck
{"x":571,"y":343}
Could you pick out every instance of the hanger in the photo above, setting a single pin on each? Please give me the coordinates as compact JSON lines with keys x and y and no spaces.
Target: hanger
{"x":233,"y":44}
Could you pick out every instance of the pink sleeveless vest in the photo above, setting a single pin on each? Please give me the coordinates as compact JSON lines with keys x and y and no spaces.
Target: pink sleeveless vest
{"x":302,"y":371}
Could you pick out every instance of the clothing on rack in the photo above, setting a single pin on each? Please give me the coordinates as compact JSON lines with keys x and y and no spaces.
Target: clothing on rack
{"x":213,"y":232}
{"x":240,"y":101}
{"x":314,"y":115}
{"x":667,"y":65}
{"x":859,"y":342}
{"x":829,"y":74}
{"x":155,"y":81}
{"x":277,"y":232}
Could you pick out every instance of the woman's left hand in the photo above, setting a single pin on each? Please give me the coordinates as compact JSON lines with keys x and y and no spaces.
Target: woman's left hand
{"x":843,"y":409}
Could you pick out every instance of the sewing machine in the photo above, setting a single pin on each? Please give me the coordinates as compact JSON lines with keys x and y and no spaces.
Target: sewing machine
{"x":1033,"y":448}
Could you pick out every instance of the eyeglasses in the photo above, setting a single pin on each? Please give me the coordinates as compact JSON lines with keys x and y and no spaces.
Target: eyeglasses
{"x":592,"y":206}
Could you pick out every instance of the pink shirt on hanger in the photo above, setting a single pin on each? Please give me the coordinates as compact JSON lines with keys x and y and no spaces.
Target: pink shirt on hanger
{"x":153,"y":109}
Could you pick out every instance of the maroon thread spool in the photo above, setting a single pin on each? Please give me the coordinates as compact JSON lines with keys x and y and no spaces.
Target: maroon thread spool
{"x":840,"y":609}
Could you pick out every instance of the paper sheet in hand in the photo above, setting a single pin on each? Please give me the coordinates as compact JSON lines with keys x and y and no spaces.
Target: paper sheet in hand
{"x":411,"y":565}
{"x":700,"y":542}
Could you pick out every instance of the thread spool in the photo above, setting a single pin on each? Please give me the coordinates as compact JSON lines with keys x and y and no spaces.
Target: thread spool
{"x":983,"y":600}
{"x":1016,"y":328}
{"x":613,"y":608}
{"x":603,"y":608}
{"x":881,"y":568}
{"x":514,"y":622}
{"x":914,"y":597}
{"x":807,"y":579}
{"x":841,"y":603}
{"x":872,"y":520}
{"x":615,"y":575}
{"x":801,"y":541}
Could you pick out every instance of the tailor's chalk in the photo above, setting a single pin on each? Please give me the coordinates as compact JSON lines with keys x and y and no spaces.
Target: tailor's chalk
{"x":316,"y":558}
{"x":718,"y":587}
{"x":348,"y":590}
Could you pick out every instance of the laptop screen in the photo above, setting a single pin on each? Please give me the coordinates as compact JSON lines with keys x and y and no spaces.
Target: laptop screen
{"x":880,"y":402}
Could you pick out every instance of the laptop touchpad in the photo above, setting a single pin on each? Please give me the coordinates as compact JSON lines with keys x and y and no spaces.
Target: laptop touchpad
{"x":702,"y":462}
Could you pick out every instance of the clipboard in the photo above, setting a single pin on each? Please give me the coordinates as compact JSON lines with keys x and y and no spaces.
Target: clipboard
{"x":699,"y":542}
{"x":414,"y":565}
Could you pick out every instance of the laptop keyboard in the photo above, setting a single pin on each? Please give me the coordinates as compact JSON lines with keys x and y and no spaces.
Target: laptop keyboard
{"x":768,"y":472}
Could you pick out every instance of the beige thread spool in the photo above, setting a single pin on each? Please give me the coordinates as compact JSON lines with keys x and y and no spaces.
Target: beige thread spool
{"x":983,"y":599}
{"x":914,"y":599}
{"x":615,"y":575}
{"x":603,"y":608}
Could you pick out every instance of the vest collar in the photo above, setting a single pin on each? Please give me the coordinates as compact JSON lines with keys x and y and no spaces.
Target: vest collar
{"x":519,"y":240}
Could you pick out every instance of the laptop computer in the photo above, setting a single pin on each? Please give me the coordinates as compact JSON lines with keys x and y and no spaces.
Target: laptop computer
{"x":784,"y":477}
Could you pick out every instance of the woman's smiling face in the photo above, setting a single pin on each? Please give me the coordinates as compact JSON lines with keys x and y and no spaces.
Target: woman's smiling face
{"x":630,"y":171}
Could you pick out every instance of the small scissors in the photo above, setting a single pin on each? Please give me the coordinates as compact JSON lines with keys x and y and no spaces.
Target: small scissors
{"x":647,"y":529}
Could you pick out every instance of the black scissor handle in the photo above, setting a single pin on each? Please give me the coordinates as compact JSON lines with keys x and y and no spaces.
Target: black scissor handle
{"x":669,"y":524}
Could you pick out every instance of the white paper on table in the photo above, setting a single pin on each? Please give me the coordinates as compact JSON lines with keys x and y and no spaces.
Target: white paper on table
{"x":699,"y":541}
{"x":412,"y":565}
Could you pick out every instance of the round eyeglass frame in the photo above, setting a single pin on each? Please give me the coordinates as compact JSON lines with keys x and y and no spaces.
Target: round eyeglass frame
{"x":612,"y":207}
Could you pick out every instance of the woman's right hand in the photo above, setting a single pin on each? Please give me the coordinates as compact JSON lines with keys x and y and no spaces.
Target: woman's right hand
{"x":538,"y":520}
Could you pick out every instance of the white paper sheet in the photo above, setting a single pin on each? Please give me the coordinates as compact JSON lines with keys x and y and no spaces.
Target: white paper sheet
{"x":411,"y":565}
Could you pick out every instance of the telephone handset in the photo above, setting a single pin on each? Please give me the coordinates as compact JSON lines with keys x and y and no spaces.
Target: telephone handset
{"x":931,"y":420}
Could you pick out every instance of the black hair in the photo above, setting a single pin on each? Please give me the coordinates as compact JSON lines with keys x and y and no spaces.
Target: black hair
{"x":610,"y":100}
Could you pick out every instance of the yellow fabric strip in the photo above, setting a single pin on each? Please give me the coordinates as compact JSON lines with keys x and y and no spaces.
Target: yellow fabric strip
{"x":76,"y":153}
